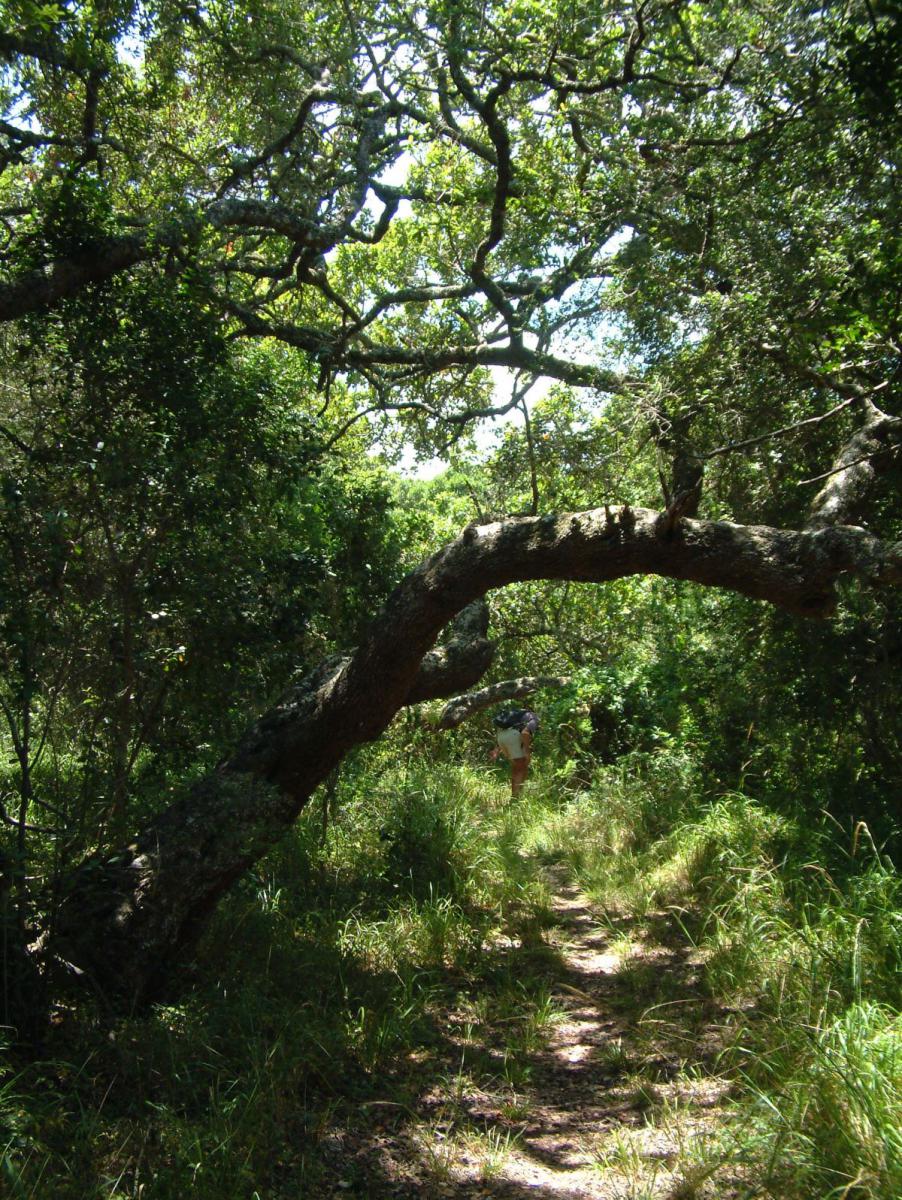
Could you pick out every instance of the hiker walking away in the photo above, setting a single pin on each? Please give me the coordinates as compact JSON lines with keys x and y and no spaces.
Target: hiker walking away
{"x":515,"y":730}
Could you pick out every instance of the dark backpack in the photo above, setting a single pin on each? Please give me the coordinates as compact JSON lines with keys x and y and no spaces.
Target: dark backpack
{"x":518,"y":718}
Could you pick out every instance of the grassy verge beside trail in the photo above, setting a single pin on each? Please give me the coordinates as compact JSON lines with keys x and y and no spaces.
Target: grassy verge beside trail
{"x":797,"y":926}
{"x":341,"y":980}
{"x":322,"y":996}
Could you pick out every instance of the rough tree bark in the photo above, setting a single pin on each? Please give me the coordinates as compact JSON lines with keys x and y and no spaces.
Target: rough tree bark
{"x":870,"y":452}
{"x":125,"y":921}
{"x":458,"y":709}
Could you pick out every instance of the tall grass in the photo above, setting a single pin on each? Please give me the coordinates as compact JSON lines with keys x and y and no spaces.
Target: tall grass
{"x":799,"y":930}
{"x":322,"y":985}
{"x":326,"y":982}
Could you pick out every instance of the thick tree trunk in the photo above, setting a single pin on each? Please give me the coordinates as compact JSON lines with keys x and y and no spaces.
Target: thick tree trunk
{"x":126,"y":920}
{"x":871,"y":451}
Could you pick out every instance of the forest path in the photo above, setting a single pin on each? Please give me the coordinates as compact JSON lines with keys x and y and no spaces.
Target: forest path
{"x":616,"y":1101}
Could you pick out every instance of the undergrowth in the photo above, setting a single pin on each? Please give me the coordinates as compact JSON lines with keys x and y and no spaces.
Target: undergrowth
{"x":797,"y":927}
{"x":321,"y":989}
{"x":396,"y":951}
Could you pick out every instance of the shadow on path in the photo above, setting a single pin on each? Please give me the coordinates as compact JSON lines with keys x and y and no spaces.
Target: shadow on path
{"x":621,"y":1081}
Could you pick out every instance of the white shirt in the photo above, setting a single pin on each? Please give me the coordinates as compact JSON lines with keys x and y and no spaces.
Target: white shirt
{"x":511,"y":743}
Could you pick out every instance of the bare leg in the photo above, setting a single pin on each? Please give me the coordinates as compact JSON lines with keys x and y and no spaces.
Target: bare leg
{"x":519,"y":770}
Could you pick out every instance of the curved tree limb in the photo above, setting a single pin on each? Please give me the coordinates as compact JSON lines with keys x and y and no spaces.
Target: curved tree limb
{"x":457,"y":711}
{"x":464,"y":658}
{"x":127,"y":919}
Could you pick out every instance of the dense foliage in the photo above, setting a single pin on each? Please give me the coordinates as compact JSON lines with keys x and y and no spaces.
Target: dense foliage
{"x":253,"y":256}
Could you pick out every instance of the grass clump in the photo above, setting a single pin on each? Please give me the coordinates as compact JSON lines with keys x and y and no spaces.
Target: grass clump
{"x":830,"y":1106}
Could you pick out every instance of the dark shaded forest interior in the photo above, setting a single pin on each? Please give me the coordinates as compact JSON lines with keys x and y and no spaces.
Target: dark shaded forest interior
{"x":365,"y":367}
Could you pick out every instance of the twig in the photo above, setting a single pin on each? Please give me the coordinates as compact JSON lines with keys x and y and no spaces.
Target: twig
{"x":845,"y":466}
{"x":753,"y":441}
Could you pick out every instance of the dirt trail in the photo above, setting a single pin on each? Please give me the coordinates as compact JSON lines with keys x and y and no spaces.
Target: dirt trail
{"x":592,"y":1133}
{"x":612,"y":1100}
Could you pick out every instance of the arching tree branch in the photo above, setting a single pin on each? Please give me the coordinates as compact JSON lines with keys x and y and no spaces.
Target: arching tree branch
{"x":457,"y":711}
{"x":128,"y":918}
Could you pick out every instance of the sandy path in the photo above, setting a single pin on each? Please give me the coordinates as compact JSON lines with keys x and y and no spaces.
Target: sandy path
{"x":594,"y":1129}
{"x":608,"y":1109}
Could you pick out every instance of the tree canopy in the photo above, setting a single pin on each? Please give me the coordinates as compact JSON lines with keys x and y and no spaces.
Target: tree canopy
{"x":653,"y":198}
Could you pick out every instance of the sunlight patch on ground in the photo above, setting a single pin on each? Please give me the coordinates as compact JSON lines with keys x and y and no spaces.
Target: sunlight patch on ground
{"x":607,"y":1110}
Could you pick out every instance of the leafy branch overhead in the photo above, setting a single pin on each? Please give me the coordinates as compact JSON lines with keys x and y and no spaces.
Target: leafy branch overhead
{"x":405,"y":198}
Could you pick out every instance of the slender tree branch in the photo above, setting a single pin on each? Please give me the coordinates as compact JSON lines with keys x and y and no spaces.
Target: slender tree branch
{"x":731,"y":447}
{"x":530,"y":446}
{"x":460,"y":708}
{"x":853,"y":463}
